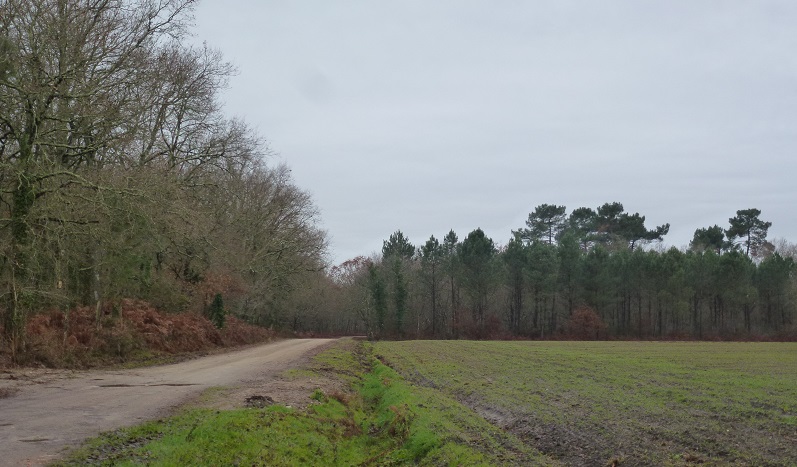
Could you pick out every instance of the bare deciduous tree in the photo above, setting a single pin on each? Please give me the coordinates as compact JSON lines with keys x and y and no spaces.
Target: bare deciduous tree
{"x":119,"y":170}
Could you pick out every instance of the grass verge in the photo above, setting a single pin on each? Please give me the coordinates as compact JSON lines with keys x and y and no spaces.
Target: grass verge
{"x":383,"y":420}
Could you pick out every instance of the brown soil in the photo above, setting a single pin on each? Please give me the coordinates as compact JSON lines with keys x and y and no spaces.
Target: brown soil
{"x":571,"y":446}
{"x":284,"y":389}
{"x":656,"y":442}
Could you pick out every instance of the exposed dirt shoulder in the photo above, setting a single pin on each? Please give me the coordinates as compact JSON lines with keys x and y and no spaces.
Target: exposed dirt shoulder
{"x":292,"y":389}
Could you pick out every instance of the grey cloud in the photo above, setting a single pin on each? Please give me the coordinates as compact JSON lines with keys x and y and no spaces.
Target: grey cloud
{"x":426,"y":116}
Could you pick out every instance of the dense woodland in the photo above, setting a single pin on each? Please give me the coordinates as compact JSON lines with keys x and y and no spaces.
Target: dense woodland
{"x":592,"y":274}
{"x":122,"y":177}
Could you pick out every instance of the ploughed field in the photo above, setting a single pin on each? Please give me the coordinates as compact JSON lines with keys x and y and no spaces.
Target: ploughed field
{"x":627,"y":403}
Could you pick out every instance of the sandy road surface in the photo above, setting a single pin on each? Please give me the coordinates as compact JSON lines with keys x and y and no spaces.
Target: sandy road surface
{"x":40,"y":420}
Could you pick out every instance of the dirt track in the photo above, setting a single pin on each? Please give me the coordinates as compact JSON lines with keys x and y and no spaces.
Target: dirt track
{"x":61,"y":409}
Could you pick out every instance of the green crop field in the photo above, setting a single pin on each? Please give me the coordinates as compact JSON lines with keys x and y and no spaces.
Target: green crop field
{"x":501,"y":403}
{"x":636,"y":403}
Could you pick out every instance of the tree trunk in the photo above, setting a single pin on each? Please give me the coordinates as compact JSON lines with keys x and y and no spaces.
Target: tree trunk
{"x":15,"y":320}
{"x":639,"y":314}
{"x":454,"y":310}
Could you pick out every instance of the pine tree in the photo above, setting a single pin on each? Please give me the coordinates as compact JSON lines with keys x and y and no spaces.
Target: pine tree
{"x":748,"y":230}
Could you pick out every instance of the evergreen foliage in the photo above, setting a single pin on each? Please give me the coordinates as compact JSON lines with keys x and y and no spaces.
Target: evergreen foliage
{"x":545,"y":223}
{"x":532,"y":287}
{"x":216,"y":311}
{"x":748,"y":230}
{"x":709,"y":238}
{"x":378,"y":294}
{"x":432,"y":255}
{"x":398,"y":246}
{"x":400,"y":295}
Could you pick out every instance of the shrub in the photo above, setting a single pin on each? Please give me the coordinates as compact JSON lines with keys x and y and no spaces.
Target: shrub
{"x":216,"y":312}
{"x":586,"y":324}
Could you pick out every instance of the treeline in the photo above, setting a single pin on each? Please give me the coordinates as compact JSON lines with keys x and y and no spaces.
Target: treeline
{"x":120,"y":175}
{"x":583,"y":275}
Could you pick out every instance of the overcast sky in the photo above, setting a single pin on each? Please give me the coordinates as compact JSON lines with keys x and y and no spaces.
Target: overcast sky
{"x":427,"y":116}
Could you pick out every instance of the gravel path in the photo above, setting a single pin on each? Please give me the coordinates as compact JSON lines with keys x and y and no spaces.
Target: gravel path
{"x":48,"y":413}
